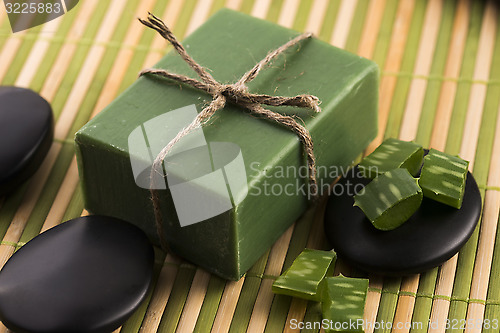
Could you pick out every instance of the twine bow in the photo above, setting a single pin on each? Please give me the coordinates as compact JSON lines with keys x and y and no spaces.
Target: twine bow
{"x":236,"y":93}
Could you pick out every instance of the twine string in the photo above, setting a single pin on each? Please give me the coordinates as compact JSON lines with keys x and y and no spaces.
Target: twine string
{"x":236,"y":93}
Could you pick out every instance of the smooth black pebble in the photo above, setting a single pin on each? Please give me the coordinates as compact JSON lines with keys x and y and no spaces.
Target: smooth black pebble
{"x":85,"y":275}
{"x":26,"y":133}
{"x":431,"y":236}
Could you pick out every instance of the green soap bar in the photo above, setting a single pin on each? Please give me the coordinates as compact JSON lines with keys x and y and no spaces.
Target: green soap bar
{"x":443,"y":178}
{"x":392,"y":154}
{"x":390,"y":199}
{"x":238,"y":223}
{"x":303,"y":278}
{"x":343,"y":304}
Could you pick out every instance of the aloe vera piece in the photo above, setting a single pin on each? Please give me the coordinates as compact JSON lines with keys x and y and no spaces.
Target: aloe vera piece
{"x":390,"y":199}
{"x":343,"y":303}
{"x":304,"y":277}
{"x":392,"y":154}
{"x":443,"y":178}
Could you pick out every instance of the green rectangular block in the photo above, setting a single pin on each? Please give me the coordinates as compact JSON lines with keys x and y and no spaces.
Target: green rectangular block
{"x":443,"y":178}
{"x":390,"y":199}
{"x":237,"y":185}
{"x":343,"y":304}
{"x":393,"y":154}
{"x":304,"y":277}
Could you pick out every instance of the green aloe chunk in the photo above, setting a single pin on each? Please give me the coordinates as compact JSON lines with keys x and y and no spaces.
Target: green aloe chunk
{"x":392,"y":154}
{"x":304,"y":277}
{"x":390,"y":199}
{"x":443,"y":178}
{"x":343,"y":304}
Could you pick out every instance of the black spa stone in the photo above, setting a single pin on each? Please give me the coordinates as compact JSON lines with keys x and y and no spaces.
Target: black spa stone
{"x":431,"y":236}
{"x":85,"y":275}
{"x":26,"y":133}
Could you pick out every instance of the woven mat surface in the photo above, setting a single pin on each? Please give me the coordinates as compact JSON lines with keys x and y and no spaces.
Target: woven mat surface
{"x":440,"y":86}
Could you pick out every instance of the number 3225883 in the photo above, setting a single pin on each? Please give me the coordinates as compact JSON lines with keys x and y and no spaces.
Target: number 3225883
{"x":33,"y":8}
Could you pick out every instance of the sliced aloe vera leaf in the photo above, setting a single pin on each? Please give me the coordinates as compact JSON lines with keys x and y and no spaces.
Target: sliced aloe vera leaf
{"x":304,"y":277}
{"x":343,"y":303}
{"x":390,"y":199}
{"x":443,"y":178}
{"x":392,"y":154}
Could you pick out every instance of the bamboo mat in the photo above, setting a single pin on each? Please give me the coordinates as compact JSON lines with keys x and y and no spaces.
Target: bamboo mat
{"x":440,"y":86}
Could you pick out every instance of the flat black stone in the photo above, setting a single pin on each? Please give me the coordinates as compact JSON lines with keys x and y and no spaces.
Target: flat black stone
{"x":86,"y":275}
{"x":26,"y":133}
{"x":431,"y":236}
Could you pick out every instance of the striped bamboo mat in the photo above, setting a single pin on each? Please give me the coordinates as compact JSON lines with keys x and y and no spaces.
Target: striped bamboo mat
{"x":440,"y":86}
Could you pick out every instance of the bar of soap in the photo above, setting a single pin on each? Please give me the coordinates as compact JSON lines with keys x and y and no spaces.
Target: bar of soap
{"x":393,"y":154}
{"x":443,"y":178}
{"x":238,"y":184}
{"x":343,"y":303}
{"x":304,"y":277}
{"x":390,"y":199}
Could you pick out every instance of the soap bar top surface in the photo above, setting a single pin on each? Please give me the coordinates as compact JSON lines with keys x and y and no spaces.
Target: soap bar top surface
{"x":305,"y":69}
{"x":303,"y":278}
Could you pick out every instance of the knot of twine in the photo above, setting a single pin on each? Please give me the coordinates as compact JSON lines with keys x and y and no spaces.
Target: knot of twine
{"x":236,"y":93}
